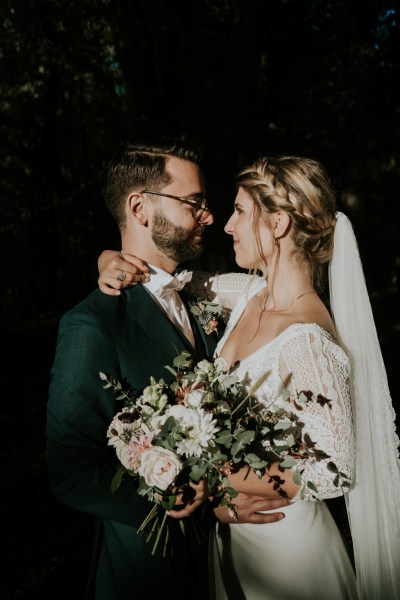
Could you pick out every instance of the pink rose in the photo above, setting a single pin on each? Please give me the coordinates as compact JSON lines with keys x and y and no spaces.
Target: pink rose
{"x":159,"y":467}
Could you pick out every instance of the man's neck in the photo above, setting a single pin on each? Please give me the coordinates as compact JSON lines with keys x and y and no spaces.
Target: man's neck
{"x":154,"y":257}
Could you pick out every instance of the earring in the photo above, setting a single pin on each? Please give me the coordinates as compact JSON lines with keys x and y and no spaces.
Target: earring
{"x":277,"y":243}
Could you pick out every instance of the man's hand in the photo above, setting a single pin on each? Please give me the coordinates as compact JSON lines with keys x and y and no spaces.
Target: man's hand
{"x":250,"y":510}
{"x":119,"y":270}
{"x":200,"y":497}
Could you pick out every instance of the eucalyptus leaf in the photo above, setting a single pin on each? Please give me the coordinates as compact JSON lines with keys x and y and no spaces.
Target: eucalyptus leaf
{"x":296,"y":477}
{"x":311,"y":486}
{"x":302,"y":398}
{"x":183,"y":359}
{"x":171,"y":370}
{"x":116,"y":480}
{"x":243,"y":440}
{"x":285,"y":394}
{"x":255,"y":462}
{"x":245,"y":437}
{"x":168,"y":502}
{"x":283,"y":425}
{"x":231,"y":491}
{"x":225,"y":437}
{"x":219,"y":457}
{"x":290,"y":441}
{"x":288,"y":462}
{"x":197,"y":472}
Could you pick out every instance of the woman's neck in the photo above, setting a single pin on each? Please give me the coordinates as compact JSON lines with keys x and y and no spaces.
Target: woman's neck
{"x":288,"y":286}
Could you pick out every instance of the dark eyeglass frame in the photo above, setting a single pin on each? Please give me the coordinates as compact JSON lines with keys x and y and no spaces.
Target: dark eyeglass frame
{"x":199,"y":204}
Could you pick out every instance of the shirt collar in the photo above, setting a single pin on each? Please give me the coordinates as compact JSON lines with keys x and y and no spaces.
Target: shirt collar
{"x":160,"y":280}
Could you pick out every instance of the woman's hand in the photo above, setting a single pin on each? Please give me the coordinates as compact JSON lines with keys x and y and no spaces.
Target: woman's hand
{"x":201,"y":496}
{"x":119,"y":270}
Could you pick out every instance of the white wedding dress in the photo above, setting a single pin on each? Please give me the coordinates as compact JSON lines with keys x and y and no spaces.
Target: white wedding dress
{"x":302,"y":557}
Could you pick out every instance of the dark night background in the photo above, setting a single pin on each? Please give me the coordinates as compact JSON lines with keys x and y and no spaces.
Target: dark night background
{"x":241,"y":77}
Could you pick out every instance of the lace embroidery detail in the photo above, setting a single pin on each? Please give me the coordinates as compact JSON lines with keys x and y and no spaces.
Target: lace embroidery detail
{"x":314,"y":361}
{"x":225,"y":288}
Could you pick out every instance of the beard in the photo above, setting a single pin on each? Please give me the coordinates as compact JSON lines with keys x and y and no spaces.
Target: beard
{"x":175,"y":241}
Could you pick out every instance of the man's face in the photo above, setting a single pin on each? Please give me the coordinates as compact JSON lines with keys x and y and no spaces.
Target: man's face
{"x":177,"y":242}
{"x":177,"y":229}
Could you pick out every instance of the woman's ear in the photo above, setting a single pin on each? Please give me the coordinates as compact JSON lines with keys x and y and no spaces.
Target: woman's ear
{"x":136,"y":208}
{"x":282,"y":224}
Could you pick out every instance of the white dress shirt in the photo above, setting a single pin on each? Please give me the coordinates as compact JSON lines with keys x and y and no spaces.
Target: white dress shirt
{"x":164,"y":287}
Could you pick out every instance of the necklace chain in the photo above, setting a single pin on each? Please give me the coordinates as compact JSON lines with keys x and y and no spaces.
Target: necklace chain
{"x":291,"y":304}
{"x":304,"y":294}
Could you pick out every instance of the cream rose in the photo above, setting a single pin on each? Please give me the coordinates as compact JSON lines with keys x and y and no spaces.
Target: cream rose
{"x":193,"y":399}
{"x":159,"y":467}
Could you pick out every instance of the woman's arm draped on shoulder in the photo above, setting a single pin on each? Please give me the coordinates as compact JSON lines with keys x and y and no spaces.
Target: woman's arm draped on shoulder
{"x":224,"y":288}
{"x":315,"y":363}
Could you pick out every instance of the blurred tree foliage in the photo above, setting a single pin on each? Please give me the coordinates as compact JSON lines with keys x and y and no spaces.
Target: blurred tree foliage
{"x":245,"y":77}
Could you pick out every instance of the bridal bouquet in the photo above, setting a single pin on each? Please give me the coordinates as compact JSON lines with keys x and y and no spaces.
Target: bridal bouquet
{"x":199,"y":427}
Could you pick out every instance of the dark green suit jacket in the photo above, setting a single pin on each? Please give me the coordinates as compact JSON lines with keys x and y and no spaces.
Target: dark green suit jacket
{"x":130,"y":338}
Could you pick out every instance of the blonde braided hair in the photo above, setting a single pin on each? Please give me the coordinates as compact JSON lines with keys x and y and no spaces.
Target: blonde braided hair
{"x":300,"y":187}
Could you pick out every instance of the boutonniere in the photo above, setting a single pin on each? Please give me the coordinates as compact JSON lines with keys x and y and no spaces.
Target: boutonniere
{"x":207,"y":313}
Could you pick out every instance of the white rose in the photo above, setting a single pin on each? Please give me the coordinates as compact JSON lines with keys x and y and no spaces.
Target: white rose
{"x":181,"y":414}
{"x":220,"y":364}
{"x":159,"y":467}
{"x":204,"y":366}
{"x":194,"y":398}
{"x":156,"y":422}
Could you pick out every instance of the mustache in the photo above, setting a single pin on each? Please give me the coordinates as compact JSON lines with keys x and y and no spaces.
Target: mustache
{"x":199,"y":230}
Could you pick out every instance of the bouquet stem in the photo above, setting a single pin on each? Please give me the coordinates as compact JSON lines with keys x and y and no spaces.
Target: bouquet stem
{"x":159,"y":533}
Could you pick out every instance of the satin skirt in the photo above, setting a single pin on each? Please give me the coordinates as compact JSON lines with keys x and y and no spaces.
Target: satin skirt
{"x":301,"y":557}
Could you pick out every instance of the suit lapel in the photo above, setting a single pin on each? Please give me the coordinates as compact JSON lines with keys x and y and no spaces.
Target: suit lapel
{"x":149,"y":316}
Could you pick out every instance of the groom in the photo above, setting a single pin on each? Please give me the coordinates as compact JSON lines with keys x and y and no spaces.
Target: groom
{"x":156,"y":195}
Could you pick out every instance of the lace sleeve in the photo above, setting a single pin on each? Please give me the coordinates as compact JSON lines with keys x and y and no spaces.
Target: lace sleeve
{"x":315,"y":363}
{"x":225,"y":288}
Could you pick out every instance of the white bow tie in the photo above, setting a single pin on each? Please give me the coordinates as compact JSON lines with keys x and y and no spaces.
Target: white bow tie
{"x":177,"y":282}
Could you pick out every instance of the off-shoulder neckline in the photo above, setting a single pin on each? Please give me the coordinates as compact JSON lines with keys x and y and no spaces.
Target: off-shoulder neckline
{"x":321,"y":329}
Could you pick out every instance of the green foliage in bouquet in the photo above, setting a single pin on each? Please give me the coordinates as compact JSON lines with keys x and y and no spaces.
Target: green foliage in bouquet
{"x":202,"y":426}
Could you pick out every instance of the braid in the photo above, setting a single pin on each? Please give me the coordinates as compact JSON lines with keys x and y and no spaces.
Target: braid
{"x":301,"y":188}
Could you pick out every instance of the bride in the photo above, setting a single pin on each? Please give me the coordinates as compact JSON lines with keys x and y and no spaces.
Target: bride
{"x":284,"y":226}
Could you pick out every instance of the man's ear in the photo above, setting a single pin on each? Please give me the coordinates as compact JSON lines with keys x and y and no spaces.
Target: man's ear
{"x":136,"y":208}
{"x":282,"y":224}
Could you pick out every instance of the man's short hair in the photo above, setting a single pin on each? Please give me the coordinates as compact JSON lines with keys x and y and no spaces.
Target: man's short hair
{"x":141,"y":165}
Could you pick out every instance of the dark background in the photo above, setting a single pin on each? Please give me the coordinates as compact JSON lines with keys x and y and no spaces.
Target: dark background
{"x":242,"y":78}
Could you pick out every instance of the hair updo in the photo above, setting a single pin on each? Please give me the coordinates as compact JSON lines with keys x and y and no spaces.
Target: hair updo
{"x":301,"y":188}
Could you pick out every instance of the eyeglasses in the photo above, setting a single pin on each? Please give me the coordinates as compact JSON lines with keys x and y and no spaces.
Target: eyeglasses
{"x":198,"y":202}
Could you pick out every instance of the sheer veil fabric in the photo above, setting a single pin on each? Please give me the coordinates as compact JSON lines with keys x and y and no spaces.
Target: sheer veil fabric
{"x":373,"y":502}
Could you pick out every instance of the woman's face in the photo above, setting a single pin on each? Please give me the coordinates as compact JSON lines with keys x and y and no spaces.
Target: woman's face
{"x":240,"y":227}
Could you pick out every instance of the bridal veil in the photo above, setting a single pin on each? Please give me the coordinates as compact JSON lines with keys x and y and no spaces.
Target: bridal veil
{"x":373,"y":502}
